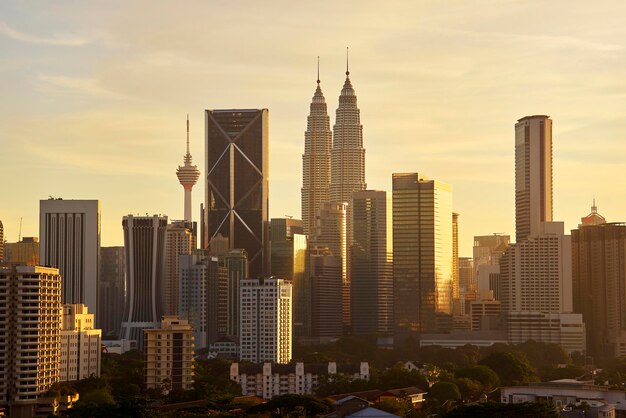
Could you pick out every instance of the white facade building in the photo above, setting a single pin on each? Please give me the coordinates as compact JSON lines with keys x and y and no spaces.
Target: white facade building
{"x":80,"y":344}
{"x":69,"y":235}
{"x":266,"y":320}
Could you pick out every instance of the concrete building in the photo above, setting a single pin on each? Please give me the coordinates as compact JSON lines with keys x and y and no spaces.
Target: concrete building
{"x":467,"y":277}
{"x":69,"y":233}
{"x":455,"y":256}
{"x":80,"y":344}
{"x":30,"y":323}
{"x":267,"y":380}
{"x":236,"y":263}
{"x":533,"y":175}
{"x":564,"y":329}
{"x":599,"y":277}
{"x":326,"y":296}
{"x":489,"y":248}
{"x":144,"y":244}
{"x":188,"y":175}
{"x":192,"y":303}
{"x":486,"y":313}
{"x":112,"y":292}
{"x":168,"y":354}
{"x":289,"y":252}
{"x":371,"y":283}
{"x":422,"y":254}
{"x":24,"y":252}
{"x":180,"y":240}
{"x":237,"y":189}
{"x":266,"y":313}
{"x":316,"y":160}
{"x":1,"y":242}
{"x":331,"y":231}
{"x":118,"y":346}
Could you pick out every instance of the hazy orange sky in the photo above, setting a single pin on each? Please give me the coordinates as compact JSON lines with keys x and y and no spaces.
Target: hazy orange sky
{"x":94,"y":97}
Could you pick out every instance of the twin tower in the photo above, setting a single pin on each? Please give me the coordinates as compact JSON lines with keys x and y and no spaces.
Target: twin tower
{"x":333,"y":164}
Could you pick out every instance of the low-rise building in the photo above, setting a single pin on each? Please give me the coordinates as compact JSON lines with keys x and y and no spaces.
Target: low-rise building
{"x":118,"y":346}
{"x":268,"y":380}
{"x":168,"y":353}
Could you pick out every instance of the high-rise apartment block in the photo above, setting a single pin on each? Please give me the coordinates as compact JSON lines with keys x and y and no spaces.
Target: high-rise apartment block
{"x":24,"y":252}
{"x":599,"y":282}
{"x":237,"y":170}
{"x":326,"y":294}
{"x":316,"y":160}
{"x":192,"y":302}
{"x":371,"y":283}
{"x":422,"y":253}
{"x":289,"y":250}
{"x":144,"y":244}
{"x":188,"y":175}
{"x":533,"y":175}
{"x":69,"y":233}
{"x":180,"y":240}
{"x":112,"y":292}
{"x":80,"y":344}
{"x":266,"y":320}
{"x":168,"y":354}
{"x":30,"y":326}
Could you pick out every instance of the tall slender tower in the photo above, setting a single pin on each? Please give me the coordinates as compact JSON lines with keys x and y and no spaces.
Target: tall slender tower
{"x":316,"y":159}
{"x":533,"y":175}
{"x":188,"y":176}
{"x":347,"y":172}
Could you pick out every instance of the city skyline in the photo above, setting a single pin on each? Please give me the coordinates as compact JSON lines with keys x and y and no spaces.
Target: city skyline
{"x":426,"y":77}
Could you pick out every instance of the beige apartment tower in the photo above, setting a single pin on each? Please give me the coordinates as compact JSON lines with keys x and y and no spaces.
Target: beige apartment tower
{"x":30,"y":326}
{"x":533,"y":175}
{"x":180,"y":240}
{"x":316,"y":160}
{"x":80,"y":344}
{"x":168,"y":354}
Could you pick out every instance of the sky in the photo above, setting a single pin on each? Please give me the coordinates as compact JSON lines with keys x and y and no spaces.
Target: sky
{"x":94,"y":96}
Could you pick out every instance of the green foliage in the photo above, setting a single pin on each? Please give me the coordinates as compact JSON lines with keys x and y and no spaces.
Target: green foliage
{"x":394,"y":406}
{"x":444,"y":391}
{"x":512,"y":369}
{"x":483,"y":374}
{"x":469,"y":389}
{"x":97,"y":397}
{"x":492,"y":409}
{"x":398,"y":377}
{"x":292,"y":405}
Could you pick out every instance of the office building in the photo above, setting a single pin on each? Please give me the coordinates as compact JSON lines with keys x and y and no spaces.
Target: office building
{"x":24,"y":252}
{"x":318,"y":140}
{"x":192,"y":303}
{"x":168,"y":355}
{"x":326,"y":295}
{"x":289,"y":251}
{"x":533,"y":175}
{"x":236,"y":263}
{"x":69,"y":233}
{"x":112,"y":292}
{"x":467,"y":278}
{"x":180,"y":240}
{"x":30,"y":348}
{"x":422,"y":254}
{"x":237,"y":193}
{"x":599,"y":280}
{"x":80,"y":344}
{"x":371,"y":284}
{"x":266,"y":320}
{"x":188,"y":175}
{"x":144,"y":244}
{"x":455,"y":255}
{"x":489,"y":248}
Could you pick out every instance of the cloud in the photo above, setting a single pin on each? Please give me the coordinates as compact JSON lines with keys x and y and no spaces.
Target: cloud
{"x":57,"y":40}
{"x":89,"y":86}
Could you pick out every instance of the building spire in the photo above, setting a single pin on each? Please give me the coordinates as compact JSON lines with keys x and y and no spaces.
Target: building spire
{"x":347,"y":62}
{"x":318,"y":70}
{"x":187,"y":133}
{"x":594,"y":208}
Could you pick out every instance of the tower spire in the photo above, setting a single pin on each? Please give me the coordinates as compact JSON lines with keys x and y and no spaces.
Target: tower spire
{"x":347,"y":62}
{"x":187,"y":133}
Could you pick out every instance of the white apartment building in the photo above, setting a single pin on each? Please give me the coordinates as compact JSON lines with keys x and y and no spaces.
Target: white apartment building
{"x":266,"y":320}
{"x":80,"y":344}
{"x":268,"y":380}
{"x":168,"y":353}
{"x":30,"y":327}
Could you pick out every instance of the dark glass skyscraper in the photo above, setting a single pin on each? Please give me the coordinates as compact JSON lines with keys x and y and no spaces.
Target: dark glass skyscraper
{"x":237,"y":168}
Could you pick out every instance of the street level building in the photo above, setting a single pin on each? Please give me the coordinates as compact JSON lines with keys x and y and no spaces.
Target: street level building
{"x":69,"y":233}
{"x":237,"y":185}
{"x":30,"y":326}
{"x":168,"y":354}
{"x":80,"y":344}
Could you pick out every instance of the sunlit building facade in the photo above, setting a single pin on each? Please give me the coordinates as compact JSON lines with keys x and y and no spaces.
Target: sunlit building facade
{"x":237,"y":185}
{"x":25,"y":251}
{"x":422,"y":253}
{"x":180,"y":240}
{"x":80,"y":344}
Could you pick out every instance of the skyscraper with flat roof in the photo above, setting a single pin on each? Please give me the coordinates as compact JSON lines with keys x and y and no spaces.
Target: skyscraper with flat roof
{"x":237,"y":170}
{"x":144,"y":244}
{"x":533,"y":175}
{"x":422,"y":253}
{"x":69,"y":234}
{"x":316,"y":160}
{"x":112,"y":290}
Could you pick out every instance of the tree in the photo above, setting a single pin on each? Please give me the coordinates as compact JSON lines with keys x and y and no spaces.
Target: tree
{"x":492,"y":409}
{"x":291,"y":405}
{"x":511,"y":369}
{"x":469,"y":389}
{"x":483,"y":374}
{"x":398,"y":377}
{"x":444,"y":391}
{"x":394,"y":406}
